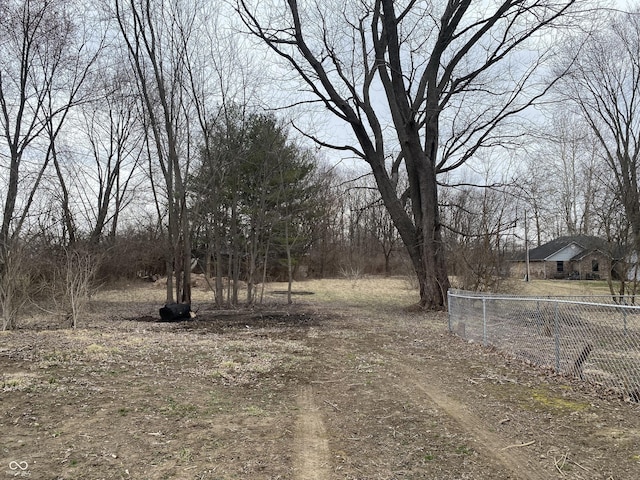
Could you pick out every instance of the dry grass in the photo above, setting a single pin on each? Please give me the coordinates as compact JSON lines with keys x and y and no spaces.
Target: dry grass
{"x":365,"y":292}
{"x":563,"y":287}
{"x":369,"y":293}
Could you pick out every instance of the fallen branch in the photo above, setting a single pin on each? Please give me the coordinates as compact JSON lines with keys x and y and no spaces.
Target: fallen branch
{"x":328,"y":381}
{"x":564,"y":461}
{"x":335,"y":407}
{"x":578,"y":465}
{"x":519,"y":445}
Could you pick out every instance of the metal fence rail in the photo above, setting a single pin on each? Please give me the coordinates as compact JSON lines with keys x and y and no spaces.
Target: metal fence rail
{"x":596,"y":339}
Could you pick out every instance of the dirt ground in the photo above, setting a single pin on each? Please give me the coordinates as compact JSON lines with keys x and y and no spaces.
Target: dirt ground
{"x":343,"y":384}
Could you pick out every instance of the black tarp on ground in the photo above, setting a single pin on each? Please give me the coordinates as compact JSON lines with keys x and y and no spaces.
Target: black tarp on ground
{"x":174,"y":312}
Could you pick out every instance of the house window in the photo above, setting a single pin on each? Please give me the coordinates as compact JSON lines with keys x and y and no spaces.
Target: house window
{"x":560,"y":267}
{"x":594,"y":266}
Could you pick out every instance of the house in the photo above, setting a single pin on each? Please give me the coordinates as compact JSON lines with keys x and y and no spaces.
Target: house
{"x":577,"y":257}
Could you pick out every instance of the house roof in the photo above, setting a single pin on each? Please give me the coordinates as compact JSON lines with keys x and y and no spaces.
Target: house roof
{"x":586,"y":243}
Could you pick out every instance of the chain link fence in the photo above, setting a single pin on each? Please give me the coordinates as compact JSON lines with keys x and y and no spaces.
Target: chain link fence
{"x":595,"y":338}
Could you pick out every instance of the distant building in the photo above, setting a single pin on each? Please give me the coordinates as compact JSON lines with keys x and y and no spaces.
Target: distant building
{"x":577,"y":257}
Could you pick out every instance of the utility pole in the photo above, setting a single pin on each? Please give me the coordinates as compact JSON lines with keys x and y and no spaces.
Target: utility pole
{"x":526,"y":245}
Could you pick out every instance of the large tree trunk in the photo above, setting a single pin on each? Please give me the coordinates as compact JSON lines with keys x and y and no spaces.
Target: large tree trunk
{"x":436,"y":279}
{"x":430,"y":265}
{"x":10,"y":200}
{"x":433,"y":251}
{"x":425,"y":248}
{"x":423,"y":243}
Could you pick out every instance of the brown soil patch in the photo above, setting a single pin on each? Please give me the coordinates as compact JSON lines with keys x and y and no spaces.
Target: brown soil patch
{"x":311,"y":447}
{"x":343,"y":384}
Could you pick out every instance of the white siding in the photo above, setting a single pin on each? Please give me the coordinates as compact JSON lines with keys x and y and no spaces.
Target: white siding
{"x":565,"y":254}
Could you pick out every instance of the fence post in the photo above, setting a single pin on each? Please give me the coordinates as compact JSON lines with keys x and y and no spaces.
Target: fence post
{"x":556,"y":334}
{"x":484,"y":321}
{"x":449,"y":310}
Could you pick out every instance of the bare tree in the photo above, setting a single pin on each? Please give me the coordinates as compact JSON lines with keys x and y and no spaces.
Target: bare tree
{"x":326,"y":249}
{"x":112,"y":127}
{"x":21,"y":101}
{"x":604,"y":85}
{"x":383,"y":231}
{"x":15,"y":284}
{"x":45,"y":59}
{"x":480,"y":216}
{"x":616,"y":229}
{"x":220,"y":81}
{"x":156,"y":36}
{"x":439,"y":70}
{"x":370,"y":228}
{"x":563,"y":164}
{"x":534,"y":192}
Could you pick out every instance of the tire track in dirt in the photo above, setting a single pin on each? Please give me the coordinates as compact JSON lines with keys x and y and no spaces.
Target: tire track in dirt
{"x":311,"y":443}
{"x":417,"y":385}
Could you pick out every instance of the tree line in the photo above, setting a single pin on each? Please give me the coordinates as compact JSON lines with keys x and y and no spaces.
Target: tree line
{"x":154,"y":138}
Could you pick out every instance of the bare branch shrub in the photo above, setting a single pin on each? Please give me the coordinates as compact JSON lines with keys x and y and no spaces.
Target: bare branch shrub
{"x":133,"y":255}
{"x":351,"y":272}
{"x":15,"y":283}
{"x":73,"y":283}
